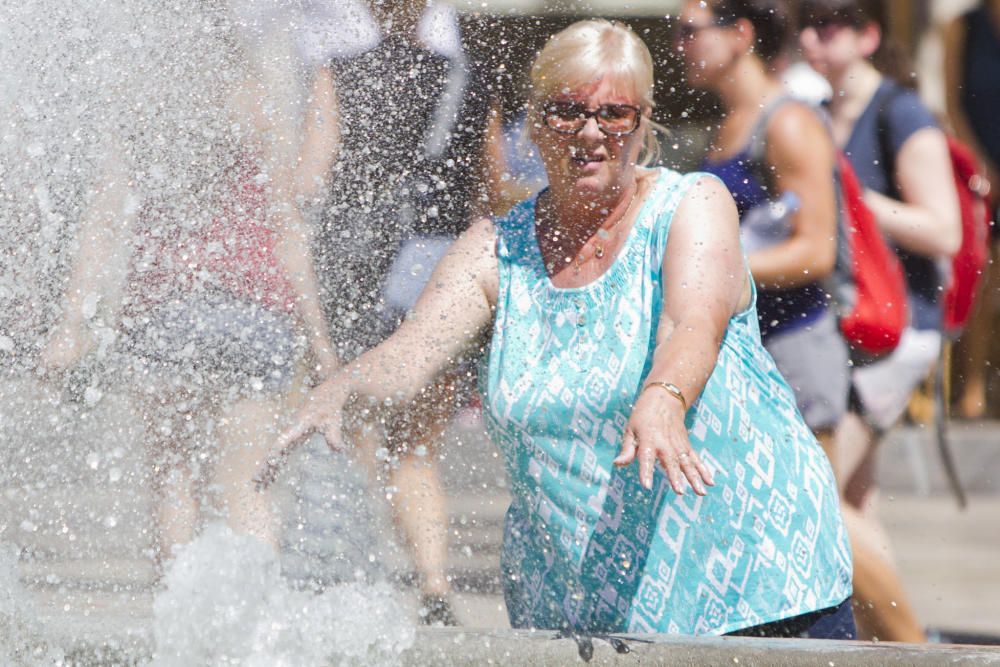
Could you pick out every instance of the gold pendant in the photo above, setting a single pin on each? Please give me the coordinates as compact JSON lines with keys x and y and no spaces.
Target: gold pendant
{"x":598,"y":251}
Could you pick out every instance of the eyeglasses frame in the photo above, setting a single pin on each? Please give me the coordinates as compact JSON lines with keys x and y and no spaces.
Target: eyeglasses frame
{"x":587,"y":114}
{"x":688,"y":31}
{"x":826,"y":28}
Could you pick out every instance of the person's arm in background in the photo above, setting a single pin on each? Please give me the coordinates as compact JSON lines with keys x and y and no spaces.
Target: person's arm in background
{"x":954,"y":58}
{"x":99,"y":264}
{"x":282,"y":162}
{"x":802,"y":155}
{"x":320,"y":141}
{"x":705,"y":282}
{"x":496,"y":177}
{"x":505,"y":188}
{"x":925,"y":220}
{"x":449,"y":316}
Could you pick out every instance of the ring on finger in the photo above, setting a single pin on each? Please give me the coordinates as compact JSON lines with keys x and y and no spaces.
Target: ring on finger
{"x":684,"y":456}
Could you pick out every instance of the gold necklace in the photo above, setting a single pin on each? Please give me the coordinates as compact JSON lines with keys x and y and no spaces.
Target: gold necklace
{"x":602,"y":233}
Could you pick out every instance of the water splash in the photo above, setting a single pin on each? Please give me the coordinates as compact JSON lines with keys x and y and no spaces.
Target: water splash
{"x":130,"y":114}
{"x":225,"y":603}
{"x":22,"y":638}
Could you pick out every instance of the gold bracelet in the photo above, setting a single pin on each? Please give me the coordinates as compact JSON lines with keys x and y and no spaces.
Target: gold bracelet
{"x":670,"y":389}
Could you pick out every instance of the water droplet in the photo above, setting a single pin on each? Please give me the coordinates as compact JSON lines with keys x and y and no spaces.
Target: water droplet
{"x":92,"y":396}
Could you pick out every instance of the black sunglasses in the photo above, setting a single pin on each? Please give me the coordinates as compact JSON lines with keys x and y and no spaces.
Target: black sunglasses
{"x":687,"y":31}
{"x":616,"y":120}
{"x":826,"y":28}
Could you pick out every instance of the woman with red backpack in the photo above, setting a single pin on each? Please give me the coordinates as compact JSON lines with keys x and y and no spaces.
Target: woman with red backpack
{"x":901,"y":158}
{"x":777,"y":159}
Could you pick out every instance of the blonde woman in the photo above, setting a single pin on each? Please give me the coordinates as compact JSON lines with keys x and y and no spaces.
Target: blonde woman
{"x":623,"y":333}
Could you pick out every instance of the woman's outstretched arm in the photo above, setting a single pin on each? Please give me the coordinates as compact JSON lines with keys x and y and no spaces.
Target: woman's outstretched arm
{"x":452,"y":311}
{"x":705,"y":281}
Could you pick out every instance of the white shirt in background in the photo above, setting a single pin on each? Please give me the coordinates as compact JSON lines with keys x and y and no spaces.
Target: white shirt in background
{"x":343,"y":28}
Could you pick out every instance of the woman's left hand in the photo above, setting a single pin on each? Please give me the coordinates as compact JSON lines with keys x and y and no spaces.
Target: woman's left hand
{"x":656,"y":432}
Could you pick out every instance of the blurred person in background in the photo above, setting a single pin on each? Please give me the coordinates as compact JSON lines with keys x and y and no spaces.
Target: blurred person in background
{"x":625,"y":377}
{"x":217,"y":305}
{"x":901,"y":158}
{"x":393,"y":161}
{"x":514,"y":170}
{"x":972,"y":100}
{"x":777,"y":158}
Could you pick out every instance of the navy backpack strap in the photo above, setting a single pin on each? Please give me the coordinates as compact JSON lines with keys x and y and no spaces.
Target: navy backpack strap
{"x":884,"y":99}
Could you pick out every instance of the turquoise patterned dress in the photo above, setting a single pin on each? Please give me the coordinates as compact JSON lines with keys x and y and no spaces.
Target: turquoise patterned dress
{"x":587,"y":548}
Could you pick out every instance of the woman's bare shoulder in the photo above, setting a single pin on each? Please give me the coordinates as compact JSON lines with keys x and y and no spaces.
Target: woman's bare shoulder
{"x":707,"y":194}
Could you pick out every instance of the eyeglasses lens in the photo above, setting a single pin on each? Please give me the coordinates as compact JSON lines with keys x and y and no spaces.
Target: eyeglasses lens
{"x":569,"y":118}
{"x":826,"y":29}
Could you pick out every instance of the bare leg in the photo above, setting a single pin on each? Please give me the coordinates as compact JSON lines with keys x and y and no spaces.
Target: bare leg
{"x":401,"y":459}
{"x":829,"y":444}
{"x":417,"y":498}
{"x":175,"y":510}
{"x":170,"y":441}
{"x":973,"y":348}
{"x":419,"y":503}
{"x":421,"y":513}
{"x":246,"y":430}
{"x":881,"y":607}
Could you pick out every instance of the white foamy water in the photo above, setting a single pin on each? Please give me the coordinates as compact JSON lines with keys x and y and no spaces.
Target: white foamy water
{"x":226,"y":603}
{"x":22,"y":640}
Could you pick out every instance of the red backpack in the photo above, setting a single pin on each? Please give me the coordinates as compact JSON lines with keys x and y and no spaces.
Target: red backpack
{"x":969,"y":263}
{"x":867,"y":285}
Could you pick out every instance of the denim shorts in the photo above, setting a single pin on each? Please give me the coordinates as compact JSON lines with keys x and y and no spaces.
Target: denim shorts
{"x":835,"y":622}
{"x":215,"y":342}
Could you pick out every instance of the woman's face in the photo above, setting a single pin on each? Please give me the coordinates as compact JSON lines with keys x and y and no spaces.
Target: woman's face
{"x":709,"y":49}
{"x":589,"y":162}
{"x":831,"y":48}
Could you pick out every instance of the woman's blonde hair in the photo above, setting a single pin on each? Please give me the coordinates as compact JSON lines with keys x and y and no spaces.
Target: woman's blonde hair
{"x":589,"y":50}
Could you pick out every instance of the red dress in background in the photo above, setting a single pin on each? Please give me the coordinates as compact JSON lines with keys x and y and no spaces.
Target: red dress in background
{"x":236,"y":252}
{"x":209,"y":304}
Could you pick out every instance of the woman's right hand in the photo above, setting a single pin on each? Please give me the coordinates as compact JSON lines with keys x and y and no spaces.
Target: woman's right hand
{"x":322,"y":412}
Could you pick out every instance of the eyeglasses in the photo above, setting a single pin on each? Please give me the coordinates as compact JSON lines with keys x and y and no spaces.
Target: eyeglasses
{"x":616,"y":120}
{"x":826,"y":29}
{"x":688,"y":31}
